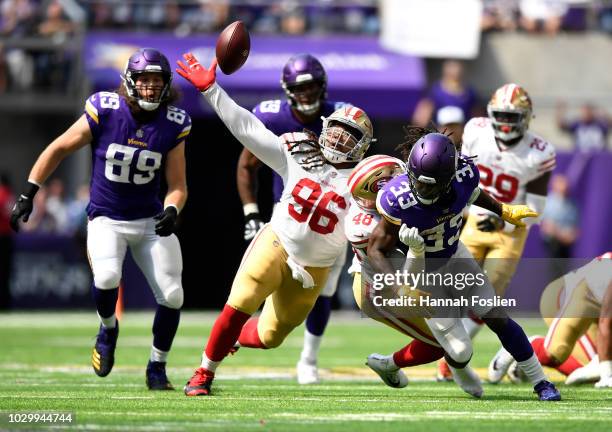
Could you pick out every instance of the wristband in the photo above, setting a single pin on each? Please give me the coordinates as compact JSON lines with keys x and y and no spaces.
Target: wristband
{"x":250,"y":208}
{"x":30,"y":189}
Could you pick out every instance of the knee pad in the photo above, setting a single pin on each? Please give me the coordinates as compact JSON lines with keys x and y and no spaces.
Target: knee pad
{"x":460,"y":351}
{"x":454,"y":339}
{"x":172,"y":299}
{"x":106,"y":279}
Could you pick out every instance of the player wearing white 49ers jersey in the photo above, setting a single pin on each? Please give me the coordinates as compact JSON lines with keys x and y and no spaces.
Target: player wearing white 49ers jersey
{"x":515,"y":166}
{"x":288,"y":262}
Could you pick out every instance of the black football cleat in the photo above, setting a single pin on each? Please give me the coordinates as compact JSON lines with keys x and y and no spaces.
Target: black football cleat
{"x":103,"y":356}
{"x":199,"y":384}
{"x":547,"y":391}
{"x":156,"y":376}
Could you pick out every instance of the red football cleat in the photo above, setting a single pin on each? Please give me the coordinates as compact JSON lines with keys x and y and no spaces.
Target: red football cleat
{"x":200,"y":382}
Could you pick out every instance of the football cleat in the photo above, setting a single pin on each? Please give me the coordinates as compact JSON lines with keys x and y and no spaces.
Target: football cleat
{"x":444,"y":373}
{"x":547,"y":391}
{"x":387,"y":371}
{"x":516,"y":374}
{"x":307,"y":373}
{"x":604,"y":382}
{"x":588,"y":373}
{"x":468,"y":380}
{"x":156,"y":376}
{"x":103,"y":356}
{"x":499,"y":366}
{"x":199,"y":384}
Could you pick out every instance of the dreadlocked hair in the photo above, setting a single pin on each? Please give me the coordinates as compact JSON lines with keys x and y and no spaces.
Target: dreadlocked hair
{"x":307,"y":148}
{"x":413,"y":133}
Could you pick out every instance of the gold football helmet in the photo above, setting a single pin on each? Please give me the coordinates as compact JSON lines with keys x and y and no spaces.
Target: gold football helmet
{"x":370,"y":175}
{"x":510,"y":111}
{"x":346,"y":135}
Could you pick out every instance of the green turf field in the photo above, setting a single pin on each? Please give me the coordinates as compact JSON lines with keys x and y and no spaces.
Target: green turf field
{"x":44,"y":366}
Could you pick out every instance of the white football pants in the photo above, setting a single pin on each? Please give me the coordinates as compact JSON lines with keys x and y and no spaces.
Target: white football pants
{"x":159,"y":258}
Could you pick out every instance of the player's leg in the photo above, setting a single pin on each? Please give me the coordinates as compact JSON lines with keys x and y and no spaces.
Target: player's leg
{"x":575,"y":317}
{"x":106,"y":248}
{"x":288,"y":306}
{"x":260,"y":273}
{"x":307,"y":371}
{"x":161,"y":262}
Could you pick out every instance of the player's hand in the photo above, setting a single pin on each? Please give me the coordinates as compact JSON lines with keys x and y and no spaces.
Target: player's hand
{"x":166,"y":221}
{"x":252,"y":224}
{"x":195,"y":73}
{"x":490,"y":223}
{"x":411,"y":238}
{"x":604,"y":382}
{"x":514,"y":214}
{"x":23,"y":207}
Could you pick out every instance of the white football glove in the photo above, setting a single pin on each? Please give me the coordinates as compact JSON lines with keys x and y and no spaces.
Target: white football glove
{"x":411,"y":238}
{"x":604,"y":382}
{"x":252,"y":225}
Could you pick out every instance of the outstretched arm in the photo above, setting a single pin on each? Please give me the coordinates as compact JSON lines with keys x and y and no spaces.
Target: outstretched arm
{"x":243,"y":124}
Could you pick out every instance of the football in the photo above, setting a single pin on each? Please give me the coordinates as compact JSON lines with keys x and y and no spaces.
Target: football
{"x":233,"y":46}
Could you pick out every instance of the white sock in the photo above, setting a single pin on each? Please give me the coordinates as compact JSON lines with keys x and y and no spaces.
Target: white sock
{"x":310,"y":351}
{"x":158,"y":355}
{"x":605,"y":369}
{"x":471,"y":327}
{"x":110,"y":322}
{"x":533,"y":369}
{"x":209,"y":364}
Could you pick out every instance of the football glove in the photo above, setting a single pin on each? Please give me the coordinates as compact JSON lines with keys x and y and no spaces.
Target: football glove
{"x":490,"y":223}
{"x":411,"y":238}
{"x":197,"y":75}
{"x":252,"y":224}
{"x":24,"y":206}
{"x":166,"y":221}
{"x":514,"y":214}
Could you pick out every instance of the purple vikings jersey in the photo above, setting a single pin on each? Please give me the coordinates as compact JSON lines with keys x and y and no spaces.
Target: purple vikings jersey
{"x":278,"y":117}
{"x":127,"y":156}
{"x":438,"y":223}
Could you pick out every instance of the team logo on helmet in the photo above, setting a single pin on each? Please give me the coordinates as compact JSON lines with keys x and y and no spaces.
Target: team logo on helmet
{"x":346,"y":135}
{"x":370,"y":175}
{"x":510,"y":110}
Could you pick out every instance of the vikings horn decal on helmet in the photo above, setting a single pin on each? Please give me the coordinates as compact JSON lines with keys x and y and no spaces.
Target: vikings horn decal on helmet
{"x":431,"y":167}
{"x":305,"y":83}
{"x":510,"y":111}
{"x":346,"y":135}
{"x":370,"y":175}
{"x":147,"y":60}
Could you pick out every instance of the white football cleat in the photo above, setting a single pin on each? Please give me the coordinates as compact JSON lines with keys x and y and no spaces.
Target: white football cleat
{"x":516,"y":374}
{"x":588,"y":373}
{"x":468,"y":380}
{"x":499,"y":366}
{"x":307,"y":373}
{"x":387,"y":371}
{"x":604,"y":382}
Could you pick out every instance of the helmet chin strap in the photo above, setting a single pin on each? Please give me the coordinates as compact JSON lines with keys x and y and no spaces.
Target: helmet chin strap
{"x":148,"y":106}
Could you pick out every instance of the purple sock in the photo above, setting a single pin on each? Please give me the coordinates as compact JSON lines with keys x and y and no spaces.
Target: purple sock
{"x":514,"y":340}
{"x":106,"y":300}
{"x":164,"y":327}
{"x":319,"y":315}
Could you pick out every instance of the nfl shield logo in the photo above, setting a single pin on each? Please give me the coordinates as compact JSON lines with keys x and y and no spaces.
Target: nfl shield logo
{"x":139,"y":133}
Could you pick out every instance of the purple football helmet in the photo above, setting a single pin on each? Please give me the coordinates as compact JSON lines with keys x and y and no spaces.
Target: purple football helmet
{"x":147,"y":60}
{"x":305,"y":83}
{"x":431,"y":165}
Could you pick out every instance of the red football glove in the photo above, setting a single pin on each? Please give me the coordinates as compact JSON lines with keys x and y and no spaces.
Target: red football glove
{"x":197,"y":75}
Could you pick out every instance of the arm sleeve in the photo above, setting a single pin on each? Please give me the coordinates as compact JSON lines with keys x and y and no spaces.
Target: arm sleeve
{"x":247,"y":128}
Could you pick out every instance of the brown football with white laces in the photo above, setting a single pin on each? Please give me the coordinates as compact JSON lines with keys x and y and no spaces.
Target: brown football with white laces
{"x":233,"y":47}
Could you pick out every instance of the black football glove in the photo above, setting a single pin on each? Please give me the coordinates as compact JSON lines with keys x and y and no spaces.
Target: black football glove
{"x":252,"y":224}
{"x":490,"y":223}
{"x":24,"y":206}
{"x":166,"y":221}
